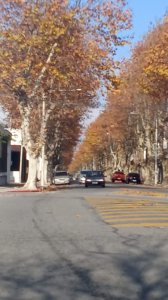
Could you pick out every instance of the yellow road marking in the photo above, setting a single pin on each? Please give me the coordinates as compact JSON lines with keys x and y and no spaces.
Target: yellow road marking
{"x":139,"y":225}
{"x":135,"y":218}
{"x":133,"y":210}
{"x":133,"y":205}
{"x":133,"y":213}
{"x":144,"y":193}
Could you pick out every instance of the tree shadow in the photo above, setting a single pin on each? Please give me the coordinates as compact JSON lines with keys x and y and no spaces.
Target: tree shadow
{"x":132,"y":273}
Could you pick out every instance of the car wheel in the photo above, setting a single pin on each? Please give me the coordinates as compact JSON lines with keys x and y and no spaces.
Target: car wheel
{"x":86,"y":185}
{"x":103,"y":185}
{"x":113,"y":181}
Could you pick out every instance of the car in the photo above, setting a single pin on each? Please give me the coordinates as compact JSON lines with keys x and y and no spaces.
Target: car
{"x":118,"y":176}
{"x":133,"y":177}
{"x":82,"y":176}
{"x":95,"y":178}
{"x":61,"y":177}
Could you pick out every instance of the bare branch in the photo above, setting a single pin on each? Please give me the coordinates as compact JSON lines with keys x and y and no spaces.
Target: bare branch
{"x":38,"y":81}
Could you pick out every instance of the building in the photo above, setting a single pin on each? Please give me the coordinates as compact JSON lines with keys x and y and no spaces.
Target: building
{"x":5,"y":155}
{"x":19,"y":162}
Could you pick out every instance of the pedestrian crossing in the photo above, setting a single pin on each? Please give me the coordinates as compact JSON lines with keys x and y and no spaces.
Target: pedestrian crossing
{"x":131,"y":213}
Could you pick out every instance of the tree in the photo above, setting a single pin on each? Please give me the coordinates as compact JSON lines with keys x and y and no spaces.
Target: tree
{"x":154,"y":67}
{"x":49,"y":46}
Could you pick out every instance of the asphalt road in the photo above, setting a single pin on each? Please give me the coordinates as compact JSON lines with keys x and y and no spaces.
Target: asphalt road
{"x":57,"y":245}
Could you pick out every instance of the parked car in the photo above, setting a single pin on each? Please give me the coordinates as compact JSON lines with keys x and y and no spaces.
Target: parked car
{"x":82,"y":176}
{"x":61,"y":177}
{"x":118,"y":176}
{"x":133,"y":178}
{"x":95,"y":178}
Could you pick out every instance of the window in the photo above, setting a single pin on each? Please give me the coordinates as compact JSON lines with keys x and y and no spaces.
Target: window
{"x":15,"y":158}
{"x":3,"y":156}
{"x":61,"y":173}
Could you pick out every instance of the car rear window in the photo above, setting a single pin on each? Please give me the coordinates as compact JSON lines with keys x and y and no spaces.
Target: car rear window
{"x":85,"y":173}
{"x":95,"y":174}
{"x":133,"y":174}
{"x":118,"y":172}
{"x":61,"y":173}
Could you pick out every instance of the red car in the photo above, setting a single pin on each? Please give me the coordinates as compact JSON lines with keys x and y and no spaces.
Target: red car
{"x":118,"y":176}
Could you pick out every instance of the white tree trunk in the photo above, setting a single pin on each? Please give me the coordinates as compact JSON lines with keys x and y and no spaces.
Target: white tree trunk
{"x":31,"y":183}
{"x":45,"y":172}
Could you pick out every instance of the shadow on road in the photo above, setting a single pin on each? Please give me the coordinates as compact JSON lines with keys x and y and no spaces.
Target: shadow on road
{"x":88,"y":274}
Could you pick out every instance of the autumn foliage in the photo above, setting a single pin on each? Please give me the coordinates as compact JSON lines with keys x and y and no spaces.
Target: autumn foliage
{"x":128,"y":123}
{"x":48,"y":51}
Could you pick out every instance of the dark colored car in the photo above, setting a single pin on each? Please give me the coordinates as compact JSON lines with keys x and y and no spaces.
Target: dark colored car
{"x":118,"y":176}
{"x":95,"y":178}
{"x":133,"y":178}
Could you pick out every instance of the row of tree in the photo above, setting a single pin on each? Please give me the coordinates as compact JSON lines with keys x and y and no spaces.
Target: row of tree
{"x":54,"y":57}
{"x":131,"y":133}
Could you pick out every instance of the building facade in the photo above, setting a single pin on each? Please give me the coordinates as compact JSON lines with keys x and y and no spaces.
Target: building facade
{"x":5,"y":156}
{"x":19,"y":162}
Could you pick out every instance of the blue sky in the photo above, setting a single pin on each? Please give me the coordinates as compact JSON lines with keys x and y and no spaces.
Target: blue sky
{"x":145,"y":14}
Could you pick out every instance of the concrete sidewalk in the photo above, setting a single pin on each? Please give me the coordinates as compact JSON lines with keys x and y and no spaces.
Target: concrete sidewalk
{"x":15,"y":188}
{"x":20,"y":188}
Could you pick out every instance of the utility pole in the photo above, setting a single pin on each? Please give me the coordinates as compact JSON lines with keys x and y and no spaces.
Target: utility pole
{"x":156,"y":151}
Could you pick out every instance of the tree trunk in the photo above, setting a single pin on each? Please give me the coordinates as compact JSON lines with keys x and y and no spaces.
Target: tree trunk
{"x":31,"y":183}
{"x":45,"y":172}
{"x":49,"y":171}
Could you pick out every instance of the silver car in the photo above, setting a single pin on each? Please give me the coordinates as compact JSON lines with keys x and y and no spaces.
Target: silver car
{"x":61,"y":177}
{"x":82,"y":176}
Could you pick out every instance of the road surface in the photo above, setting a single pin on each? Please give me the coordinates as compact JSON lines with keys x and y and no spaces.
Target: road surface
{"x":66,"y":245}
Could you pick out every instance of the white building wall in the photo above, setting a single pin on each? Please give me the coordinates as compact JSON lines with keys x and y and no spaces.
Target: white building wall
{"x":16,"y":139}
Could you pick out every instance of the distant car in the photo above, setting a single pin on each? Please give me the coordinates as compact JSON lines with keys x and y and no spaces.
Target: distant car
{"x":133,"y":178}
{"x":82,"y":176}
{"x":95,"y":178}
{"x":118,"y":176}
{"x":61,"y":177}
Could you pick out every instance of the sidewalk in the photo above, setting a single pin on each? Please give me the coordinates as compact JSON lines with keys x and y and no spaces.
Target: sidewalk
{"x":16,"y":188}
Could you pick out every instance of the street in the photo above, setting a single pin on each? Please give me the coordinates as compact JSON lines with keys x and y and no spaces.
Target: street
{"x":85,"y":244}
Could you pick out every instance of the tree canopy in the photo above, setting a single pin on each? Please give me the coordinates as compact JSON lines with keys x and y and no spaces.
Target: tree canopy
{"x":131,"y":110}
{"x":47,"y":47}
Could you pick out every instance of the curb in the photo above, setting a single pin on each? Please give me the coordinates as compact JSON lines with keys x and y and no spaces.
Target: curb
{"x":49,"y":189}
{"x":24,"y":191}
